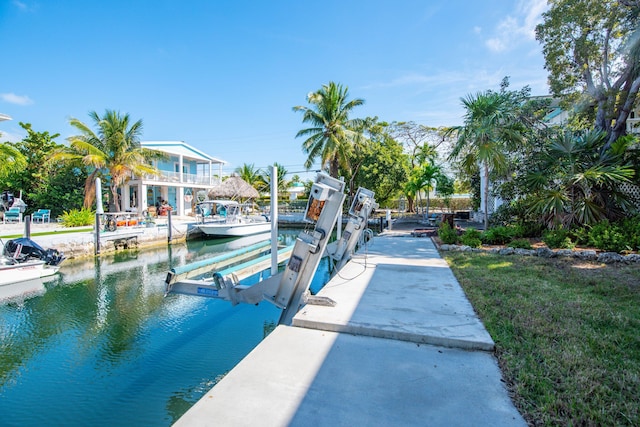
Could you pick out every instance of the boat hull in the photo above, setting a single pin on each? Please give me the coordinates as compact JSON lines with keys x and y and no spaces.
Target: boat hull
{"x":25,"y":271}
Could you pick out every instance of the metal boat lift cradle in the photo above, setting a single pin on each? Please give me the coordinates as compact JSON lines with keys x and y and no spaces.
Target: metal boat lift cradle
{"x":289,"y":289}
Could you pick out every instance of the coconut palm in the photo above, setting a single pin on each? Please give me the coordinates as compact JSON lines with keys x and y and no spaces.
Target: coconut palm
{"x":250,"y":174}
{"x":490,"y":126}
{"x":113,"y":152}
{"x":332,"y":133}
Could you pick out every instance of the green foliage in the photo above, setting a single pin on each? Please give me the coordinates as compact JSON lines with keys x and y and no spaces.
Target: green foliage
{"x":491,"y":128}
{"x":607,"y":237}
{"x":616,"y":237}
{"x":332,"y":133}
{"x":558,"y":239}
{"x":78,"y":218}
{"x":471,"y":237}
{"x":447,"y":234}
{"x":498,"y":235}
{"x":580,"y":39}
{"x":575,"y":182}
{"x":45,"y":184}
{"x":112,"y":151}
{"x":377,"y":163}
{"x":520,"y":244}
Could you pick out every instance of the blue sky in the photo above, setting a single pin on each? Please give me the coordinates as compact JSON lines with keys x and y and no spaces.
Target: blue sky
{"x":223,"y":76}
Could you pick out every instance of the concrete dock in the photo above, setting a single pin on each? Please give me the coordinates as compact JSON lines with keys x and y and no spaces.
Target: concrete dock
{"x":402,"y":346}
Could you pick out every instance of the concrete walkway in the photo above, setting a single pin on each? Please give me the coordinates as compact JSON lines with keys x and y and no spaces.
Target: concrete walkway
{"x":401,"y":347}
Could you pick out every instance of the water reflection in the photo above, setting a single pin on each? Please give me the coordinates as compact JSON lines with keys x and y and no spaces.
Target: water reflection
{"x":102,"y":336}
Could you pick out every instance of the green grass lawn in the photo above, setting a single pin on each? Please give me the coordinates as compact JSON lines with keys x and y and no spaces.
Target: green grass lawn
{"x":567,"y":334}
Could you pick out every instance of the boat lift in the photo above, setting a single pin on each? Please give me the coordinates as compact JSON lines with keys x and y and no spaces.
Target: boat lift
{"x":289,"y":289}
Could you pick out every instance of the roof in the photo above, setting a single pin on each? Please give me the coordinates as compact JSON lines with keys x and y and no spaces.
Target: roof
{"x":180,"y":148}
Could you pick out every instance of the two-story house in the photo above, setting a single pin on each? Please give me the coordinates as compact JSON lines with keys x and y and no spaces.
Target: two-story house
{"x":183,"y":173}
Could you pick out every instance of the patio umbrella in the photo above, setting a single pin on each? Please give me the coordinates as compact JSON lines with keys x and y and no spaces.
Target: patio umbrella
{"x":234,"y":188}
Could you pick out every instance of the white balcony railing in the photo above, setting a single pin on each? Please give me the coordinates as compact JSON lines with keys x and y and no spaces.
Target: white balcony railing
{"x":188,"y":178}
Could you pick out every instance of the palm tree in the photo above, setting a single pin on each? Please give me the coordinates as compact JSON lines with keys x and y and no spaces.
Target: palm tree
{"x":283,"y":184}
{"x":11,"y":160}
{"x":332,"y":133}
{"x":490,"y":126}
{"x":114,"y":152}
{"x":575,"y":182}
{"x":250,"y":174}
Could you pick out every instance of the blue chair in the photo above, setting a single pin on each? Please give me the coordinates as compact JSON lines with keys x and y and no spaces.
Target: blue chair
{"x":42,"y":215}
{"x":13,"y":214}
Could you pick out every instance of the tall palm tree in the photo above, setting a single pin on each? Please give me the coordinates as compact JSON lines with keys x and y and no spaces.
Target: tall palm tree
{"x":490,"y":127}
{"x":332,"y":133}
{"x":113,"y":152}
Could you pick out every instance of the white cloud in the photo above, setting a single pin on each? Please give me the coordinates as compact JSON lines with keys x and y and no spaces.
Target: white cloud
{"x":12,"y":98}
{"x":520,"y":26}
{"x":20,"y":5}
{"x":9,"y":137}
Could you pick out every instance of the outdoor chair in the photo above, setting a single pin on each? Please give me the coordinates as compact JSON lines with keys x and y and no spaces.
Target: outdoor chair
{"x":42,"y":215}
{"x":13,"y":215}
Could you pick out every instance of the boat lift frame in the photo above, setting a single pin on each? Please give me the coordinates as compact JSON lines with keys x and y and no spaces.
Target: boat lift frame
{"x":289,"y":288}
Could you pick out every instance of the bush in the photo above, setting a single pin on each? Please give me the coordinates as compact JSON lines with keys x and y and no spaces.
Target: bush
{"x":609,"y":237}
{"x":498,"y":235}
{"x":558,"y":239}
{"x":471,"y":237}
{"x":447,"y":234}
{"x":520,"y":244}
{"x":78,"y":218}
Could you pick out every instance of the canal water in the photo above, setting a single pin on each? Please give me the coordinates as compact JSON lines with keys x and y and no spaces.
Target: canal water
{"x":100,"y":345}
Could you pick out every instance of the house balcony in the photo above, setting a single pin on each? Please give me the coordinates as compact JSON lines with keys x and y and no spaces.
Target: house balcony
{"x":175,"y":178}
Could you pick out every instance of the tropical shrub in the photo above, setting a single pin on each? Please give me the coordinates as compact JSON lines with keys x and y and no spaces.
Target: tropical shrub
{"x":609,"y":237}
{"x":78,"y":218}
{"x":520,"y":244}
{"x":498,"y":235}
{"x":471,"y":237}
{"x":558,"y":239}
{"x":447,"y":234}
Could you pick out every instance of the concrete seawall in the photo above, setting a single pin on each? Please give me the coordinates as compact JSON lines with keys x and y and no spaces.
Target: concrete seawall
{"x":402,"y":346}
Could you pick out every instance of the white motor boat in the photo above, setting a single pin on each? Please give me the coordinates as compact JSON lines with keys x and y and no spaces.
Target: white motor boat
{"x":23,"y":260}
{"x":225,"y":218}
{"x":12,"y":271}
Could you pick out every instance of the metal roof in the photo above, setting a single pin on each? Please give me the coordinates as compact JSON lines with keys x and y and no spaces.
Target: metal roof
{"x":180,"y":148}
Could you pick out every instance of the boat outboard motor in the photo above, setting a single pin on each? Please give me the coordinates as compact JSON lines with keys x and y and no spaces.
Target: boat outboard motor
{"x":24,"y":249}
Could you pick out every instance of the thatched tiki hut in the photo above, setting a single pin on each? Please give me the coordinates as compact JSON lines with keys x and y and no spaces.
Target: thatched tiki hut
{"x":234,"y":188}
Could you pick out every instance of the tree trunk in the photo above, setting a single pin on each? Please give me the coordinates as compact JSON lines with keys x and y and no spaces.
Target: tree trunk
{"x":114,"y":198}
{"x":410,"y":204}
{"x":486,"y":197}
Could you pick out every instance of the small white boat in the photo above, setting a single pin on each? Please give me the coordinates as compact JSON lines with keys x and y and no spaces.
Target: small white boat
{"x":12,"y":271}
{"x":224,"y":218}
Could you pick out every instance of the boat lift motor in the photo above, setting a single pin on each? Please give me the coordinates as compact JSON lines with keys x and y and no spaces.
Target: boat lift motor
{"x":286,"y":289}
{"x":362,"y":205}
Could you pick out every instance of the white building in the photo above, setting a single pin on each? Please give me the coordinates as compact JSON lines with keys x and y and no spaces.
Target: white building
{"x":184,"y":173}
